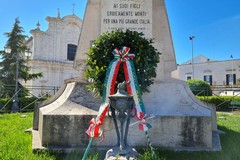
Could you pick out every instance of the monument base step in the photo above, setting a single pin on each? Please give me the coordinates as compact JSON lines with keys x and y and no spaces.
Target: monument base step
{"x":37,"y":145}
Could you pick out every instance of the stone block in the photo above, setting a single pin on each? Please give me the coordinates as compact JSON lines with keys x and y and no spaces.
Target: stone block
{"x":63,"y":124}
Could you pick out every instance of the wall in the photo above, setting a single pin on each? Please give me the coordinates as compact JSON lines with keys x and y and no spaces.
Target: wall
{"x":49,"y":52}
{"x":218,"y":70}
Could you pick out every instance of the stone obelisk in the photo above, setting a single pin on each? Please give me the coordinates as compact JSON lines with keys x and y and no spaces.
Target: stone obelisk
{"x":150,"y":18}
{"x":179,"y":120}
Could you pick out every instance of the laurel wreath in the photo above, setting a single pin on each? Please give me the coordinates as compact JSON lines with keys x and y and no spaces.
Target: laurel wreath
{"x":100,"y":55}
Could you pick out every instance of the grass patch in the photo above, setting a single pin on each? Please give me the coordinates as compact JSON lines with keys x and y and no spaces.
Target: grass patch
{"x":16,"y":144}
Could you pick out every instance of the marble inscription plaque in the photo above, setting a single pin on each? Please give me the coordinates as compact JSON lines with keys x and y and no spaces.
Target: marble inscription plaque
{"x":135,"y":15}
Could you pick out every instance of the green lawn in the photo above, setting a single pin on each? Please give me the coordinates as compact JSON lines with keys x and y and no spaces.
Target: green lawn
{"x":15,"y":144}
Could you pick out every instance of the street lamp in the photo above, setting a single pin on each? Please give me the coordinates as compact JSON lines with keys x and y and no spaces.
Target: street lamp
{"x":232,"y":79}
{"x":28,"y":53}
{"x":7,"y":49}
{"x":191,"y":39}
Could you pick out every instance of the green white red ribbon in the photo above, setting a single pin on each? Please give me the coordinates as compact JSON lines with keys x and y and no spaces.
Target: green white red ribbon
{"x":120,"y":57}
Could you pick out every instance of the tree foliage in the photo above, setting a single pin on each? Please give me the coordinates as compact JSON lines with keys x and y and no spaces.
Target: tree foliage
{"x":199,"y":87}
{"x":17,"y":42}
{"x":100,"y":55}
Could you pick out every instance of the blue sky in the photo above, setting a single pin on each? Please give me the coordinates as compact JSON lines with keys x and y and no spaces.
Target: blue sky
{"x":214,"y":23}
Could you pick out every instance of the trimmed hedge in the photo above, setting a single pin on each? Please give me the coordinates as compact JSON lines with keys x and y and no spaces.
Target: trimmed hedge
{"x":221,"y":102}
{"x":23,"y":102}
{"x":199,"y":87}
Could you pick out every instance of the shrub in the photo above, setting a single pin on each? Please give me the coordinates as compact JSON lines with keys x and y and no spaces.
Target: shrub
{"x":199,"y":87}
{"x":221,"y":102}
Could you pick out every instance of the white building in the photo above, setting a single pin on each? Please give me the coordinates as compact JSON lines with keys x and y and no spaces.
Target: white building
{"x":53,"y":53}
{"x":219,"y":74}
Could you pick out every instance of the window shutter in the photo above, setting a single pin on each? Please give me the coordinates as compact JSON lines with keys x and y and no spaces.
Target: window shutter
{"x":211,"y":80}
{"x":234,"y":78}
{"x":227,"y":79}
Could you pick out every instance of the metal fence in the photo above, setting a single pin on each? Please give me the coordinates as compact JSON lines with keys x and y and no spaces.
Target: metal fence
{"x":27,"y":96}
{"x":222,"y":96}
{"x":37,"y":93}
{"x":33,"y":91}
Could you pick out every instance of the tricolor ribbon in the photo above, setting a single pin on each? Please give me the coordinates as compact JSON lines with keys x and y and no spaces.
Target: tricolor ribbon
{"x":120,"y":57}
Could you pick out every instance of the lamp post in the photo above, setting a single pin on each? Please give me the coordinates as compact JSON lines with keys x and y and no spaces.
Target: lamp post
{"x":28,"y":54}
{"x":191,"y":39}
{"x":7,"y":49}
{"x":232,"y":78}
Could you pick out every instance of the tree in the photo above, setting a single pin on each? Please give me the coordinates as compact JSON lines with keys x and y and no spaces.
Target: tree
{"x":17,"y":42}
{"x":1,"y":87}
{"x":199,"y":87}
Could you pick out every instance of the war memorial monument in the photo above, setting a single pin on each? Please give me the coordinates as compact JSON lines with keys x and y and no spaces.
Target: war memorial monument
{"x":179,"y":120}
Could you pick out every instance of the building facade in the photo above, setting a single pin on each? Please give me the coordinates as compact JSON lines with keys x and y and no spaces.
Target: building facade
{"x":223,"y":75}
{"x":53,"y":53}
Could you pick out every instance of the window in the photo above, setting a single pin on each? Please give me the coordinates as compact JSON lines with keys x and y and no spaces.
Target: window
{"x":71,"y":51}
{"x":231,"y":79}
{"x":208,"y":79}
{"x":189,"y":77}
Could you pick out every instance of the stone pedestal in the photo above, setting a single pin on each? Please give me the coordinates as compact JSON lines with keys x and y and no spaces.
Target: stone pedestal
{"x":179,"y":123}
{"x":63,"y":120}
